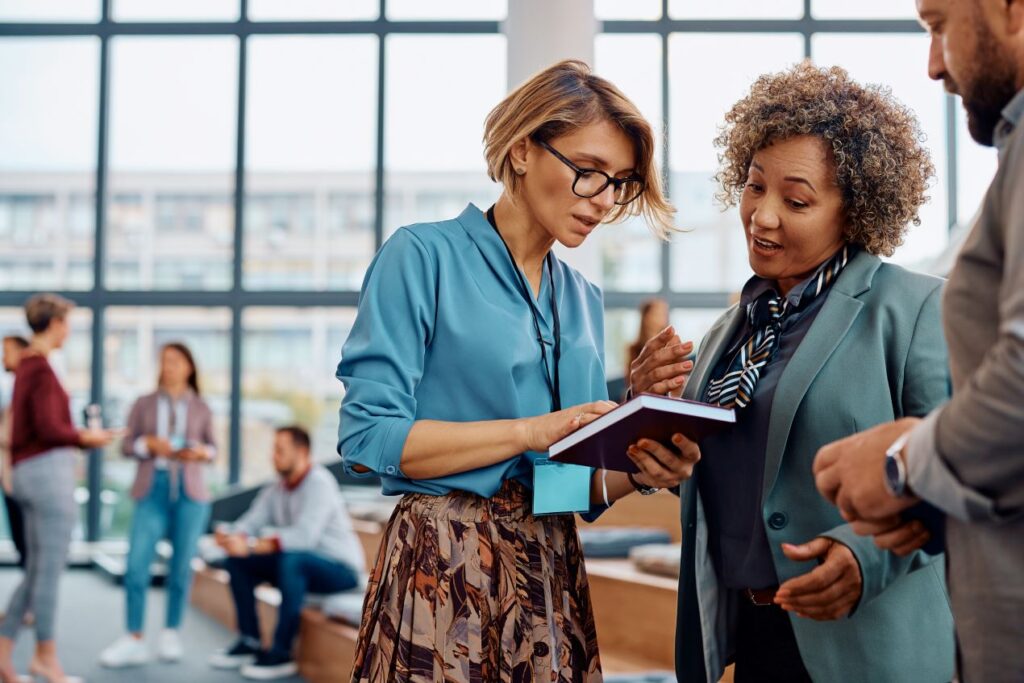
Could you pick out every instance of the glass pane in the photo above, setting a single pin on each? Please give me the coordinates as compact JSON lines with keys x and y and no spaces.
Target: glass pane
{"x":48,"y":162}
{"x":289,"y":357}
{"x":72,"y":364}
{"x":172,"y":158}
{"x":736,"y":9}
{"x":628,"y":256}
{"x":711,"y":255}
{"x":976,"y":165}
{"x":179,"y":10}
{"x":862,"y":9}
{"x":51,"y":10}
{"x":620,"y":330}
{"x":437,"y":101}
{"x":693,"y":323}
{"x":637,"y":9}
{"x":883,"y":59}
{"x":310,"y":194}
{"x":449,"y":9}
{"x":313,"y":10}
{"x":131,"y":347}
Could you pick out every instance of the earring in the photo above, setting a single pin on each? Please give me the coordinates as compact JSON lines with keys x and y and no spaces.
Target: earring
{"x":520,"y":171}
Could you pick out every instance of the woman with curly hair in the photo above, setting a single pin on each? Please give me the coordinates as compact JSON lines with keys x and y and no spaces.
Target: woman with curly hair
{"x":825,"y":341}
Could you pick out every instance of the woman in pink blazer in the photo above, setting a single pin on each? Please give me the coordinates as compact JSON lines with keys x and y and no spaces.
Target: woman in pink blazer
{"x":170,"y":432}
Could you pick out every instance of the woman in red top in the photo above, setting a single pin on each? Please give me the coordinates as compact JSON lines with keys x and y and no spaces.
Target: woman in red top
{"x":43,"y":445}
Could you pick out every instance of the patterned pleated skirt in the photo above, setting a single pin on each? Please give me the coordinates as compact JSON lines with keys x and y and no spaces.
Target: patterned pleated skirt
{"x":475,"y":590}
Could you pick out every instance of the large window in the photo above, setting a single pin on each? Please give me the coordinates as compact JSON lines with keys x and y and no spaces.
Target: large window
{"x":172,"y":123}
{"x":309,"y":192}
{"x":47,"y":162}
{"x":434,"y":123}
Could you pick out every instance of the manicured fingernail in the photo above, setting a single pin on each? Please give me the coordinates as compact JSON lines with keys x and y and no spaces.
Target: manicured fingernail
{"x":677,"y":381}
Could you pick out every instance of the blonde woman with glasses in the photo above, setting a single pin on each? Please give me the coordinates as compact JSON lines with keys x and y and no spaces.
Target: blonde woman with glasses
{"x":474,"y":349}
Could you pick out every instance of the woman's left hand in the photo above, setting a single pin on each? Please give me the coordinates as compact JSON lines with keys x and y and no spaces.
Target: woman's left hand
{"x":661,"y":467}
{"x":829,"y":591}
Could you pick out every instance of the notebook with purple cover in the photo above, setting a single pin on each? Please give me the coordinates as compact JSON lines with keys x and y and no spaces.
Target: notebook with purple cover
{"x":603,"y":442}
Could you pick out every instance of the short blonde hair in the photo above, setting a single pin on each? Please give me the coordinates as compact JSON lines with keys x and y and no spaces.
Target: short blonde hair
{"x":42,"y":309}
{"x":560,"y":99}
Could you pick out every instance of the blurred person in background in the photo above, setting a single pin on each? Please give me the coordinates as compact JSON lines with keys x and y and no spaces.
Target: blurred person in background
{"x":44,"y":443}
{"x":14,"y":346}
{"x":653,"y":319}
{"x":297,"y":536}
{"x":170,"y":433}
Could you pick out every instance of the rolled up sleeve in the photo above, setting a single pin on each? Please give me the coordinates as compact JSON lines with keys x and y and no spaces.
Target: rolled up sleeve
{"x":382,"y":361}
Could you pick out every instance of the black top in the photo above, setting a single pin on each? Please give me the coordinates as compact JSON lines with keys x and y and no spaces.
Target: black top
{"x":732,"y":463}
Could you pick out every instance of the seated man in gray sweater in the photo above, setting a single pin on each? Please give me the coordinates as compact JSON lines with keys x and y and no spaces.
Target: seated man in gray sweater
{"x":297,"y":536}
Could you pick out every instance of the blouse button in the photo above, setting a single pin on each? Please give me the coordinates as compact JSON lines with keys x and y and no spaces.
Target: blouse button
{"x":540,"y":649}
{"x":778,"y":520}
{"x":390,"y":469}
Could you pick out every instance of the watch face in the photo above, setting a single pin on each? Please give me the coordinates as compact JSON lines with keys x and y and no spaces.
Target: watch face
{"x":893,"y":478}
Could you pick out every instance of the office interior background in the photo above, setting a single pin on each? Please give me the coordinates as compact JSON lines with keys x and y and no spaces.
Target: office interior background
{"x":222,"y":172}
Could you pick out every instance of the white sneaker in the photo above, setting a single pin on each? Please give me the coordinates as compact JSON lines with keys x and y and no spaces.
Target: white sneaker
{"x":125,"y":651}
{"x":169,"y":648}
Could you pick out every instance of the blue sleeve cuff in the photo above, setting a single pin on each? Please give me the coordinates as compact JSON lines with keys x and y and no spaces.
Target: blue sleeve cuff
{"x":388,"y":460}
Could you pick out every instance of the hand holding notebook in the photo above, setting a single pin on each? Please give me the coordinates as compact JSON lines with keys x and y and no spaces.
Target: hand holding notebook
{"x":604,"y":442}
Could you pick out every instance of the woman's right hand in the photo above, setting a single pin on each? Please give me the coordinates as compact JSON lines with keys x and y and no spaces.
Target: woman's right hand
{"x":661,"y":367}
{"x":97,"y":438}
{"x":660,"y":467}
{"x":540,"y":432}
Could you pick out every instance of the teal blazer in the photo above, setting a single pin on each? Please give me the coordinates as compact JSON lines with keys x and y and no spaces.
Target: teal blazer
{"x":874,"y":353}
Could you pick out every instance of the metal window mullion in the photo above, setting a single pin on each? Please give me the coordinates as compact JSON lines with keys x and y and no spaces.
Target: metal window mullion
{"x":378,"y":187}
{"x":94,"y":475}
{"x":666,"y":110}
{"x":238,"y":263}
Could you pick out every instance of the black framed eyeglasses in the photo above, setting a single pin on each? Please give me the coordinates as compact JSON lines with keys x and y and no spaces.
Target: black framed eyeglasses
{"x":590,"y":182}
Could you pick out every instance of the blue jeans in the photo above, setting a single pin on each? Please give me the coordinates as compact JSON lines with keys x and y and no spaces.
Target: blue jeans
{"x":294,"y":574}
{"x":181,"y":520}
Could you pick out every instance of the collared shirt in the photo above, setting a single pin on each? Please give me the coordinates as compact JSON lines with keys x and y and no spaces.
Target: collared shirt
{"x":444,"y":333}
{"x":732,"y":469}
{"x":962,"y":457}
{"x":177,"y":436}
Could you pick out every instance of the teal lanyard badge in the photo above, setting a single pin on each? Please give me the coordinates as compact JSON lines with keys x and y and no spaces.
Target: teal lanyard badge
{"x":559,"y":488}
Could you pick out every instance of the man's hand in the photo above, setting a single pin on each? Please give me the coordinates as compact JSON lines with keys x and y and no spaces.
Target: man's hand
{"x":661,"y":367}
{"x":830,"y":590}
{"x":235,"y":545}
{"x":895,"y":534}
{"x":850,"y":473}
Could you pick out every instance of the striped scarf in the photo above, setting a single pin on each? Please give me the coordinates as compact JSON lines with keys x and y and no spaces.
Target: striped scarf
{"x":765,"y":315}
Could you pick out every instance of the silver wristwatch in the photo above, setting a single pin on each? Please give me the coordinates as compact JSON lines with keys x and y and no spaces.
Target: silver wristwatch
{"x":895,"y":469}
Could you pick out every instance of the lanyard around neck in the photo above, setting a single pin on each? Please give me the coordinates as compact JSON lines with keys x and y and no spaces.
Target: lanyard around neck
{"x":551,"y":378}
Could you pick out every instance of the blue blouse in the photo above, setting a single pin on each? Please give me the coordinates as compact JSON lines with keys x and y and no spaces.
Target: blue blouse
{"x":443,"y":332}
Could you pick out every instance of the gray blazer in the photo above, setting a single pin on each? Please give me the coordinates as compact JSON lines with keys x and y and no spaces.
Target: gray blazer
{"x":968,"y":457}
{"x":874,"y":353}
